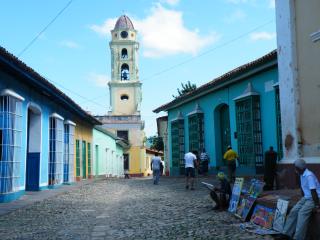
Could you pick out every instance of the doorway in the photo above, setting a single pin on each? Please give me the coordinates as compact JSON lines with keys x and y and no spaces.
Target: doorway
{"x":222,"y":131}
{"x":33,"y":149}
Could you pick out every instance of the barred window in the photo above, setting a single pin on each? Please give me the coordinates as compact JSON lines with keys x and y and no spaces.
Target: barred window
{"x":10,"y":141}
{"x":78,"y":169}
{"x":56,"y":150}
{"x":89,"y":160}
{"x":69,"y":128}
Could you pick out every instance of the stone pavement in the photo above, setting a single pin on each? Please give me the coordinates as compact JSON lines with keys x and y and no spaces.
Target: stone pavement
{"x":123,"y":209}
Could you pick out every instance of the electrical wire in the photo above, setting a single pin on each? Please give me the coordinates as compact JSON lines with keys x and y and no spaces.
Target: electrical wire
{"x":44,"y":29}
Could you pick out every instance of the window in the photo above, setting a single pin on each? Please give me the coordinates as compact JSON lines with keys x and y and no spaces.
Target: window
{"x":124,"y":97}
{"x":77,"y":158}
{"x":249,"y":132}
{"x":278,"y":123}
{"x":69,"y":129}
{"x":124,"y":53}
{"x":56,"y":136}
{"x":125,"y":74}
{"x":10,"y":141}
{"x":177,"y":146}
{"x":196,"y":133}
{"x":123,"y":135}
{"x":89,"y":160}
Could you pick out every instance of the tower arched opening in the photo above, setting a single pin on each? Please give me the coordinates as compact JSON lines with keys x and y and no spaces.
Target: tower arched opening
{"x":125,"y":74}
{"x":124,"y":53}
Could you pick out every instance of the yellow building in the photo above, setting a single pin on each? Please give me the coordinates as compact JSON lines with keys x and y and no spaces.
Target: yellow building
{"x":124,"y":118}
{"x":83,"y":149}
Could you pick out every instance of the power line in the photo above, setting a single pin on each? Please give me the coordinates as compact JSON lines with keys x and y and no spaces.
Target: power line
{"x":208,"y":51}
{"x":45,"y":28}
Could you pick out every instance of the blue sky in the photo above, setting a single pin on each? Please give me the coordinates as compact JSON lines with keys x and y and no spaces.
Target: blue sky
{"x":73,"y":53}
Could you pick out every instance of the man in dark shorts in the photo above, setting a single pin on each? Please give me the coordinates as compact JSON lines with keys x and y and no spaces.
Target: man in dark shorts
{"x":190,"y":162}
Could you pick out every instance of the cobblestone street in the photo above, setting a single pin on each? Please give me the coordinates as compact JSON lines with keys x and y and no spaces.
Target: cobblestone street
{"x":124,"y":209}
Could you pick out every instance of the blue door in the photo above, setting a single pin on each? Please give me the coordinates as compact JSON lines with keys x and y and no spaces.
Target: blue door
{"x":32,"y":172}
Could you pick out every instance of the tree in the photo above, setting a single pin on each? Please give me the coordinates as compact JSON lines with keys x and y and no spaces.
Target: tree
{"x":156,"y":143}
{"x":185,"y":88}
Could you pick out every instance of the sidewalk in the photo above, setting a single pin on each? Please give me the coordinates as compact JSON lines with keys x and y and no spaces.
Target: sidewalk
{"x":30,"y":198}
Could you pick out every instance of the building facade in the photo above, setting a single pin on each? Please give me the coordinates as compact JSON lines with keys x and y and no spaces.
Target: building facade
{"x":124,"y":118}
{"x":238,"y":109}
{"x":108,"y":153}
{"x":298,"y":39}
{"x":37,"y":130}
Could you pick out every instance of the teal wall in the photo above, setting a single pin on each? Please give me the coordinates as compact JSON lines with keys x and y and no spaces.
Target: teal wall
{"x":108,"y":159}
{"x":262,"y":83}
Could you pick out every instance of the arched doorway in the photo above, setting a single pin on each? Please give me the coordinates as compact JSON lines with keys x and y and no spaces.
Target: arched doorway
{"x":33,"y":148}
{"x":222,"y":131}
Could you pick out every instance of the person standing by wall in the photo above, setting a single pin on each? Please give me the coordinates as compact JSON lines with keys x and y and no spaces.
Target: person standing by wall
{"x":270,"y":165}
{"x":204,"y":158}
{"x":190,"y":160}
{"x":231,"y":156}
{"x":155,"y":167}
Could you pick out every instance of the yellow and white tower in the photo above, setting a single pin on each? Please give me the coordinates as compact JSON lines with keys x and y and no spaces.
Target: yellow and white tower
{"x":124,"y":117}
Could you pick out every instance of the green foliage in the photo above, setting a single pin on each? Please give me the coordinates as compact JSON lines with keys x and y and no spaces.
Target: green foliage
{"x":185,"y":88}
{"x":156,"y":143}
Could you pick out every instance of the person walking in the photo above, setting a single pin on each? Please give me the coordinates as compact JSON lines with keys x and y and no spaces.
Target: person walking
{"x":190,"y":160}
{"x":270,"y":165}
{"x":297,"y":221}
{"x":231,"y":156}
{"x":204,"y":162}
{"x":161,"y":167}
{"x":155,"y":167}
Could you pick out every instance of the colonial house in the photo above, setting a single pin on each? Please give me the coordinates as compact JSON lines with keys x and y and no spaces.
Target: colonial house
{"x":108,"y":153}
{"x":39,"y":125}
{"x":239,"y":108}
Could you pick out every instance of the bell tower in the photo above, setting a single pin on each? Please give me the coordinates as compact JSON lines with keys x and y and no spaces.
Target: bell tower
{"x":124,"y":119}
{"x":125,"y":87}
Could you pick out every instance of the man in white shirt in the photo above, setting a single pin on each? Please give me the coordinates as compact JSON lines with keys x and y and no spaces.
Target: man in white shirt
{"x":155,"y":167}
{"x":297,"y":221}
{"x":190,"y":162}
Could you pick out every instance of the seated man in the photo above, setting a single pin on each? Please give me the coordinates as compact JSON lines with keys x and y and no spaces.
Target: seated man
{"x":297,"y":221}
{"x":221,"y":200}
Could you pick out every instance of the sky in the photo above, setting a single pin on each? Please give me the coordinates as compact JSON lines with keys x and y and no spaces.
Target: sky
{"x":180,"y":41}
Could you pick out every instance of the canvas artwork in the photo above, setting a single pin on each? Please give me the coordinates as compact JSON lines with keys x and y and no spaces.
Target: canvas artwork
{"x":236,"y":191}
{"x":256,"y":188}
{"x":245,"y":206}
{"x":263,"y":216}
{"x":280,"y":215}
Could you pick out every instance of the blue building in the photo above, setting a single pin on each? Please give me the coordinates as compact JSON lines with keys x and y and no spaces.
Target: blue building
{"x":37,"y":125}
{"x":239,"y":108}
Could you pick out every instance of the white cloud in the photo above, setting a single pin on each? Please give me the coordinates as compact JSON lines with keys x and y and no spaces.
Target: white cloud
{"x":171,"y":2}
{"x":272,"y":3}
{"x":163,"y":33}
{"x":236,"y":16}
{"x":257,"y":36}
{"x":100,"y":80}
{"x":69,"y":44}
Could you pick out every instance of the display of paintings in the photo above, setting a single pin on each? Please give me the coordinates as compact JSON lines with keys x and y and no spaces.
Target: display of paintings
{"x":280,"y":215}
{"x":263,"y":216}
{"x":244,"y":207}
{"x":236,"y":191}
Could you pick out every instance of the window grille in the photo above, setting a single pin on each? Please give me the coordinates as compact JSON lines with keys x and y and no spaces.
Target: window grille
{"x":249,"y":132}
{"x":56,"y":151}
{"x":89,"y":160}
{"x":278,"y":123}
{"x":68,"y":153}
{"x":10,"y":143}
{"x":78,"y":158}
{"x":196,"y":132}
{"x":84,"y":159}
{"x":177,"y":137}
